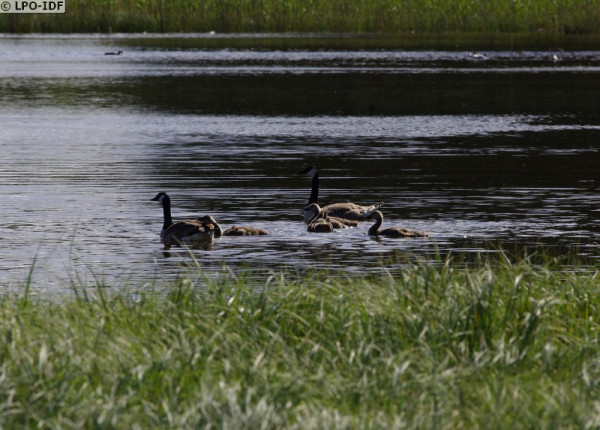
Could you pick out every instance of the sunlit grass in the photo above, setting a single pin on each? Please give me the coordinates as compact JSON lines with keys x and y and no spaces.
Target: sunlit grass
{"x":497,"y":345}
{"x":388,"y":16}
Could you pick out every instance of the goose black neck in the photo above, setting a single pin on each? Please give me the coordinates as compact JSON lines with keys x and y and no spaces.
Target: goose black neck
{"x":314,"y":194}
{"x":375,"y":227}
{"x":167,"y":213}
{"x":315,"y":216}
{"x":218,"y":232}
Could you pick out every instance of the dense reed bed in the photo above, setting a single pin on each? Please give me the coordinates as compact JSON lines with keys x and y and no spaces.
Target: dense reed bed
{"x":387,"y":16}
{"x":497,"y":345}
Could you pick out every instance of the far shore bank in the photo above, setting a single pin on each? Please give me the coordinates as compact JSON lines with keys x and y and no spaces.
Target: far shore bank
{"x":350,"y":16}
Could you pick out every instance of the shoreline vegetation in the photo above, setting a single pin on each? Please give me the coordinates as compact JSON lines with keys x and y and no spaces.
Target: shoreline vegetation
{"x":337,"y":16}
{"x":496,"y":344}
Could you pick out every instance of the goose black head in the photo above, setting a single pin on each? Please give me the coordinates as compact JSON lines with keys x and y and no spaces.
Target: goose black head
{"x":372,"y":214}
{"x":308,"y":170}
{"x":160,"y":197}
{"x":313,"y":207}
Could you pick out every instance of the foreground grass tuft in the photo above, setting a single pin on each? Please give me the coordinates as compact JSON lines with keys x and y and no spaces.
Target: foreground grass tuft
{"x":498,"y":345}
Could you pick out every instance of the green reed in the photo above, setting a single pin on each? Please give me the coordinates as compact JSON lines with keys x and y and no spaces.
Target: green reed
{"x":386,"y":16}
{"x":496,"y":345}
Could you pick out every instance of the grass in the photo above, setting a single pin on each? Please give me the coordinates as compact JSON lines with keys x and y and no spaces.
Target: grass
{"x":497,"y":345}
{"x":386,"y":16}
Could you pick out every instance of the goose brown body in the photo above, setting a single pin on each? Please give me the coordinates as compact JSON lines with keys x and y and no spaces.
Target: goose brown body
{"x":187,"y":232}
{"x":236,"y":230}
{"x":319,"y":226}
{"x":348,"y":211}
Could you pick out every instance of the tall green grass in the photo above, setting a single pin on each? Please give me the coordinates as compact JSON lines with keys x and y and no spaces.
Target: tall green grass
{"x":497,"y":345}
{"x":387,"y":16}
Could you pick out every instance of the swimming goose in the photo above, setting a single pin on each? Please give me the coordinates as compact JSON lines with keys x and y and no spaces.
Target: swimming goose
{"x":182,"y":231}
{"x":318,"y":215}
{"x":394,"y":232}
{"x":318,"y":222}
{"x":347,"y":211}
{"x":113,"y":53}
{"x":233,"y":231}
{"x":319,"y":225}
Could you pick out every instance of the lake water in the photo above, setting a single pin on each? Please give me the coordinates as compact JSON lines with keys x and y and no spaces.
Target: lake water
{"x":474,"y":151}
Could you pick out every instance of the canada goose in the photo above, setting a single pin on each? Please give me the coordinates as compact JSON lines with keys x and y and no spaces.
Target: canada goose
{"x":318,"y":222}
{"x":394,"y":232}
{"x":317,"y":214}
{"x":233,"y":231}
{"x":182,"y":231}
{"x":113,"y":53}
{"x":319,"y":226}
{"x":347,"y":211}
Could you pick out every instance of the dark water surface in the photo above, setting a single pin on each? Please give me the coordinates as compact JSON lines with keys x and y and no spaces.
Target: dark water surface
{"x":474,"y":151}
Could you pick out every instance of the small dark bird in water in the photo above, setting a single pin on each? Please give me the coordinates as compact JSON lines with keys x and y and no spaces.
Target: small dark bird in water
{"x":478,"y":56}
{"x":113,"y":53}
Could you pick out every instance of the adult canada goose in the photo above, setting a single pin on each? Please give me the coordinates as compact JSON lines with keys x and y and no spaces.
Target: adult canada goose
{"x":113,"y":53}
{"x":348,"y":210}
{"x":394,"y":232}
{"x":233,"y":231}
{"x":318,"y":215}
{"x":191,"y":231}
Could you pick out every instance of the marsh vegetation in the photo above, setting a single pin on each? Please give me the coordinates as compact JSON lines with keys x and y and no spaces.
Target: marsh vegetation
{"x":391,"y":16}
{"x":502,"y":343}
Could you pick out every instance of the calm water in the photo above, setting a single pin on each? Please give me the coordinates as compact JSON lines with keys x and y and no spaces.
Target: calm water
{"x":474,"y":151}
